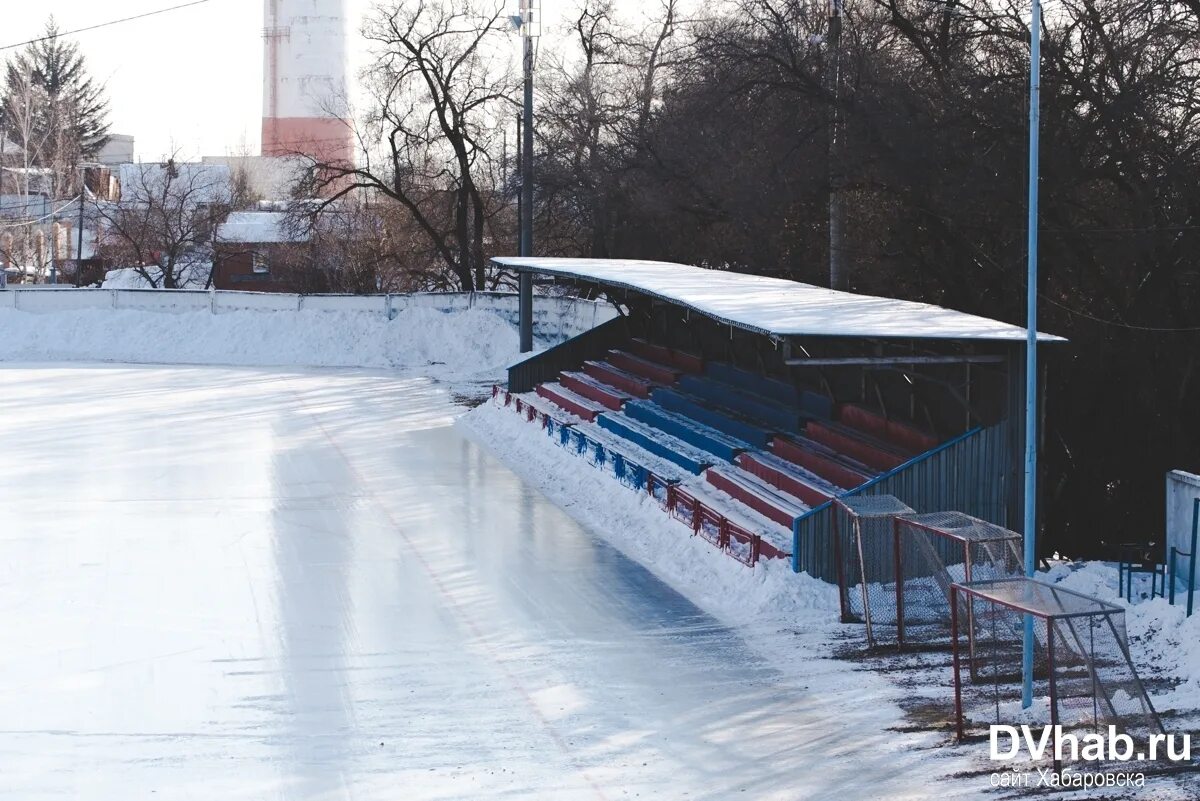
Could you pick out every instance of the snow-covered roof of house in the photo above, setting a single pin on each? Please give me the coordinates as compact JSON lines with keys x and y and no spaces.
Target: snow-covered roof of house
{"x":258,"y":228}
{"x":775,"y":306}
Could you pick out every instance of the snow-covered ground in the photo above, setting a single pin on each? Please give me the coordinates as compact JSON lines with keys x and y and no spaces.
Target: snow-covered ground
{"x":463,"y":346}
{"x":1164,"y":641}
{"x":357,"y":597}
{"x":240,"y":583}
{"x":791,"y":620}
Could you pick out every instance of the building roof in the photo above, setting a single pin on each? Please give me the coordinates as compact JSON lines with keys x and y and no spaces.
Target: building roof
{"x":258,"y":228}
{"x":774,"y":306}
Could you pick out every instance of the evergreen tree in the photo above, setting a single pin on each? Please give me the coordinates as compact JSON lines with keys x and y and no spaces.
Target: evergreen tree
{"x":51,"y":106}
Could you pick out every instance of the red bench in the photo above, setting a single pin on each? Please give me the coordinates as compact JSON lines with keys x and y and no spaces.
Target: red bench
{"x":823,"y":465}
{"x":783,"y":479}
{"x":659,"y":373}
{"x":845,"y":440}
{"x":682,"y":360}
{"x":605,"y":373}
{"x":568,"y":400}
{"x":768,"y":504}
{"x":588,"y":387}
{"x":912,"y":439}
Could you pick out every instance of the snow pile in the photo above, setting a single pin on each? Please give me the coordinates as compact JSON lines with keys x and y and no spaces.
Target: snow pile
{"x":637,"y":526}
{"x":466,"y":346}
{"x":1164,"y":642}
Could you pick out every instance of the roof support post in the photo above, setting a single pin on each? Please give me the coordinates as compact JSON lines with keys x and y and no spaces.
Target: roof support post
{"x":525,"y":306}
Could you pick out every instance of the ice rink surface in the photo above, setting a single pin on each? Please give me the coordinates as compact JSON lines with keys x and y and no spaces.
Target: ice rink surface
{"x":250,"y":584}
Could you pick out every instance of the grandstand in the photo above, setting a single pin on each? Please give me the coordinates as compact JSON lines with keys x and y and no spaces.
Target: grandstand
{"x":762,"y":400}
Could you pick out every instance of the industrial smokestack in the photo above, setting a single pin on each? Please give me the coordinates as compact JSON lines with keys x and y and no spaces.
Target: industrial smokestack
{"x":304,"y":80}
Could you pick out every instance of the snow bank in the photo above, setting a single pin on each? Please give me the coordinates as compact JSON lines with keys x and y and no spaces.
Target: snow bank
{"x":636,"y":525}
{"x":1164,"y":642}
{"x":790,"y":620}
{"x":466,"y":345}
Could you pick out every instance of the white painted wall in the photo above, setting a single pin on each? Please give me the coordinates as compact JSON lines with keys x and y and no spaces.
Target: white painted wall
{"x":309,"y":39}
{"x":1182,"y":489}
{"x":555,"y":318}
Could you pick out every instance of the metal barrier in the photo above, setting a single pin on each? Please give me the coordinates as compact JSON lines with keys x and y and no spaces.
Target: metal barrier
{"x":546,"y":366}
{"x":969,"y":474}
{"x":739,"y":543}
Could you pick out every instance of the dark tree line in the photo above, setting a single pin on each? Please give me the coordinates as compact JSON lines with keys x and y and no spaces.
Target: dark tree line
{"x":701,"y":133}
{"x":709,"y":144}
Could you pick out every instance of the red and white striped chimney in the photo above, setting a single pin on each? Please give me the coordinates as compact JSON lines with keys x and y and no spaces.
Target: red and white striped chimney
{"x":304,"y":80}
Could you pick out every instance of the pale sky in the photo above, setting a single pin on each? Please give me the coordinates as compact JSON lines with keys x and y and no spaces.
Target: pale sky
{"x":190,"y":80}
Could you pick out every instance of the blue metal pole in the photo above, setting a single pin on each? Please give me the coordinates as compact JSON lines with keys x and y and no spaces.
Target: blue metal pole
{"x":796,"y":545}
{"x":1192,"y":558}
{"x":1031,"y":397}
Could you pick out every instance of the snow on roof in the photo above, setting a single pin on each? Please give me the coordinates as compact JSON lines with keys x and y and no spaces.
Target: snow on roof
{"x":774,"y":306}
{"x":257,"y":228}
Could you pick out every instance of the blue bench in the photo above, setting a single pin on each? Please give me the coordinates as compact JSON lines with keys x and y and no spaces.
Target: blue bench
{"x":696,"y":409}
{"x":693,"y":433}
{"x":765,"y":412}
{"x":771,"y":389}
{"x":651,"y":440}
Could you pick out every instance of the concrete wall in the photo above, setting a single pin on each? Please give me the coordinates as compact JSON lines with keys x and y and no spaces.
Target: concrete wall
{"x":1182,"y":489}
{"x":555,"y":318}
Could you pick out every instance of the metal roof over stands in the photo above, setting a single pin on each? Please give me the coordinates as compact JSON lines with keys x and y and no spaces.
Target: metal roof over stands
{"x":775,"y":306}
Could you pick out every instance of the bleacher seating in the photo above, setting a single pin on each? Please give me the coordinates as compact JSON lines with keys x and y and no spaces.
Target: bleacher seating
{"x":856,"y":445}
{"x":776,"y":416}
{"x":698,"y":410}
{"x":694,"y":433}
{"x":781,"y":392}
{"x":750,"y":491}
{"x":635,"y":385}
{"x":825,"y":462}
{"x":775,"y":448}
{"x":681,"y":360}
{"x":909,"y":438}
{"x":583,"y":384}
{"x":566,"y":399}
{"x":785,"y":476}
{"x":658,"y":373}
{"x":656,"y":442}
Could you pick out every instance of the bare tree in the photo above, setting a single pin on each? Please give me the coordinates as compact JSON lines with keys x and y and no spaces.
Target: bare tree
{"x":162,"y":226}
{"x":439,"y":89}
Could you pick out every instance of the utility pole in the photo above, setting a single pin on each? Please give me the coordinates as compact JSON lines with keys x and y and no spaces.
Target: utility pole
{"x":79,"y":250}
{"x":521,"y":193}
{"x":530,"y":27}
{"x":1031,"y":345}
{"x":839,"y":278}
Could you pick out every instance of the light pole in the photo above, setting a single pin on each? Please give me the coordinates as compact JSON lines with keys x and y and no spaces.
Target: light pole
{"x":838,"y":279}
{"x":1031,"y":384}
{"x":530,"y":23}
{"x":79,"y":251}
